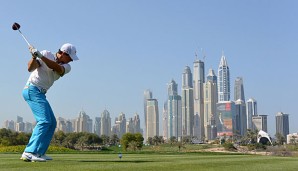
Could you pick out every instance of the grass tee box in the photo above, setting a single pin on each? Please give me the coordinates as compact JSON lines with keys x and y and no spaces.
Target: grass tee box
{"x":154,"y":162}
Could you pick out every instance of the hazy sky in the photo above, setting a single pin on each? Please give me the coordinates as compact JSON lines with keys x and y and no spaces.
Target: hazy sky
{"x":127,"y":46}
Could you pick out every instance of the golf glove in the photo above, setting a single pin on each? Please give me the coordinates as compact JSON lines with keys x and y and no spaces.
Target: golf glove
{"x":35,"y":52}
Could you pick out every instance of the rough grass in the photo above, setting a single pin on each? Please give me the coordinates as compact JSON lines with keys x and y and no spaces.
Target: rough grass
{"x":152,"y":162}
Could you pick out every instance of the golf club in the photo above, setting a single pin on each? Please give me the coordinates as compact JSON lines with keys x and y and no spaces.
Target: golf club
{"x":17,"y":26}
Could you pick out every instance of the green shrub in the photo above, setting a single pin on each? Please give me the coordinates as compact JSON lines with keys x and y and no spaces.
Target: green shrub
{"x":21,"y":148}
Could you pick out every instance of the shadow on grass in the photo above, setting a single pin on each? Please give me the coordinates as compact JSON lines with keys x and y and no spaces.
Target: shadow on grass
{"x":120,"y":161}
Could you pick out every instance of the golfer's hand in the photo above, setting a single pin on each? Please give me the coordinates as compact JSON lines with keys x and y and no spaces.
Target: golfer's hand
{"x":35,"y":52}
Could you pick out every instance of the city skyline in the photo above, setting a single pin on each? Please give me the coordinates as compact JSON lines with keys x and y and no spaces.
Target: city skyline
{"x":187,"y":122}
{"x":126,"y":47}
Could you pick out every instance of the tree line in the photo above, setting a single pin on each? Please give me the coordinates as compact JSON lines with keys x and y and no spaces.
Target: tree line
{"x":84,"y":140}
{"x":75,"y":140}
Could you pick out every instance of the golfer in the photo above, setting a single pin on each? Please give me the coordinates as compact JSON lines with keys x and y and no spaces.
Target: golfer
{"x":45,"y":68}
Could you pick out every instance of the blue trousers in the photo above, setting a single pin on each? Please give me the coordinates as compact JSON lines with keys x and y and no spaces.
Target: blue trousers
{"x":45,"y":120}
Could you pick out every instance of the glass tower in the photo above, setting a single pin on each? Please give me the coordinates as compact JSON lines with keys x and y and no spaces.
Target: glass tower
{"x":174,"y":111}
{"x":282,"y":124}
{"x":239,"y":89}
{"x":223,"y":80}
{"x":251,"y":110}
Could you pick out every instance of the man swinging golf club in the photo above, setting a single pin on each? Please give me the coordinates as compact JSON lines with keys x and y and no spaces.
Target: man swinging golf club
{"x":45,"y":68}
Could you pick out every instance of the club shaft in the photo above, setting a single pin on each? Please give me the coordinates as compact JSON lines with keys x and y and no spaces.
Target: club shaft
{"x":24,"y":38}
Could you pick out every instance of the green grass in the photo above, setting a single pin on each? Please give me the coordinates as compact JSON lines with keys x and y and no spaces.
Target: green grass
{"x":151,"y":162}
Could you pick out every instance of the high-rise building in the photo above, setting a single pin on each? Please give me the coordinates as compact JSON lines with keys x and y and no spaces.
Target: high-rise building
{"x":239,"y":89}
{"x":83,"y":123}
{"x":147,"y":95}
{"x":97,"y":126}
{"x":187,"y":78}
{"x":210,"y":100}
{"x":251,"y":110}
{"x":259,"y":122}
{"x":130,"y":126}
{"x":174,"y":117}
{"x":223,"y":80}
{"x":65,"y":125}
{"x":282,"y":124}
{"x":20,"y":119}
{"x":165,"y":120}
{"x":152,"y":118}
{"x":20,"y":125}
{"x":137,"y":123}
{"x":105,"y":123}
{"x":120,"y":125}
{"x":61,"y":125}
{"x":9,"y":125}
{"x":213,"y":131}
{"x":187,"y":103}
{"x":198,"y":81}
{"x":28,"y":127}
{"x":241,"y":118}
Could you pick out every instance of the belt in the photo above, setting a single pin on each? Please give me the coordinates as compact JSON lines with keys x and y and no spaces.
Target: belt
{"x":42,"y":90}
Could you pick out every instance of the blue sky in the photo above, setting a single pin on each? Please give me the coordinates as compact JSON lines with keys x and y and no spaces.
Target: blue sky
{"x":127,"y":46}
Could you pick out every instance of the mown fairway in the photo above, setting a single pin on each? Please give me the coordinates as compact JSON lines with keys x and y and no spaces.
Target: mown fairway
{"x":154,"y":162}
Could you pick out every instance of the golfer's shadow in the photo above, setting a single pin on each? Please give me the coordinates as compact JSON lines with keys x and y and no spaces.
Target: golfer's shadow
{"x":113,"y":161}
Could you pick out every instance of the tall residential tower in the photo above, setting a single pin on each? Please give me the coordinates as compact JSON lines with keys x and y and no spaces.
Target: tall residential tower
{"x":210,"y":100}
{"x":187,"y":103}
{"x":223,"y":80}
{"x":198,"y":81}
{"x":152,"y":119}
{"x":174,"y":127}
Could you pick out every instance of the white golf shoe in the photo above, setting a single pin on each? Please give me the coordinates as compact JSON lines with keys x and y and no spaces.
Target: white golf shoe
{"x":31,"y":157}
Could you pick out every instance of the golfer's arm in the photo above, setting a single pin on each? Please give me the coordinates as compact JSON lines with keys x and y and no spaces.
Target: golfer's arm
{"x":53,"y":65}
{"x":33,"y":64}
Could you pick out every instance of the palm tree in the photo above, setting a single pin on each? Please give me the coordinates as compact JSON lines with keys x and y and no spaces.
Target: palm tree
{"x":280,"y":139}
{"x":150,"y":140}
{"x":173,"y":139}
{"x":155,"y":140}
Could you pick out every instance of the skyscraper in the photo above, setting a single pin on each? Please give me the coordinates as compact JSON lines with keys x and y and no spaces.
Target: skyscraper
{"x":239,"y":89}
{"x":251,"y":110}
{"x":83,"y":123}
{"x":105,"y":123}
{"x":187,"y":103}
{"x":241,"y":118}
{"x":210,"y":100}
{"x":165,"y":120}
{"x":282,"y":124}
{"x":147,"y":95}
{"x":187,"y":78}
{"x":97,"y":126}
{"x":137,"y":123}
{"x":152,"y":119}
{"x":174,"y":111}
{"x":9,"y":125}
{"x":120,"y":125}
{"x":223,"y":80}
{"x":198,"y":81}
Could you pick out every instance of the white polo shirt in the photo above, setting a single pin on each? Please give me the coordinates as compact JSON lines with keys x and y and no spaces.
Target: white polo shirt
{"x":43,"y":76}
